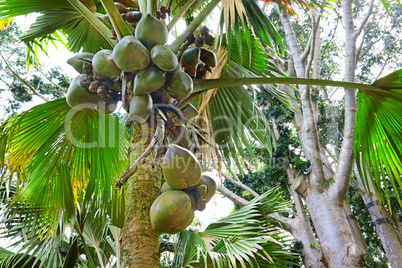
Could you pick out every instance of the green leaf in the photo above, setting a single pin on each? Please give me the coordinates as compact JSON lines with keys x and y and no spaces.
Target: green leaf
{"x":72,"y":255}
{"x":85,"y":31}
{"x":378,"y":136}
{"x":247,"y":238}
{"x":393,"y":81}
{"x":55,"y":146}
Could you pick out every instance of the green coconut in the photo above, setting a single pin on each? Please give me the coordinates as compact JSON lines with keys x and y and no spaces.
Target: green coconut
{"x":107,"y":105}
{"x":79,"y":59}
{"x":130,"y":54}
{"x":209,"y":58}
{"x":148,"y":80}
{"x":164,"y":58}
{"x":80,"y":98}
{"x":209,"y":182}
{"x":171,"y":212}
{"x":103,"y":64}
{"x":166,"y":187}
{"x":140,"y":108}
{"x":180,"y":86}
{"x":151,"y":31}
{"x":191,"y":56}
{"x":181,"y":169}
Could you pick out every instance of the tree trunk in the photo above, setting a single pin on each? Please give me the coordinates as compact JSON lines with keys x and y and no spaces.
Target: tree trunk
{"x":140,"y":246}
{"x":333,"y":231}
{"x":301,"y":229}
{"x":327,"y":212}
{"x":388,"y":228}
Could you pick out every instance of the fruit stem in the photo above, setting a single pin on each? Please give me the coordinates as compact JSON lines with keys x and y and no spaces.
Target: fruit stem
{"x":93,"y":20}
{"x":183,"y":10}
{"x":152,"y":7}
{"x":200,"y":85}
{"x":143,"y":6}
{"x":194,"y":25}
{"x":119,"y":25}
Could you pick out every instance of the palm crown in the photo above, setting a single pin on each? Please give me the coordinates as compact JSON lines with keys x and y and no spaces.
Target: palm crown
{"x":68,"y":160}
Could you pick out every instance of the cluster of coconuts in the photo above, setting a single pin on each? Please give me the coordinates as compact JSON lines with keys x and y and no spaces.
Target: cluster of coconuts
{"x":185,"y":190}
{"x":141,"y":71}
{"x":153,"y":71}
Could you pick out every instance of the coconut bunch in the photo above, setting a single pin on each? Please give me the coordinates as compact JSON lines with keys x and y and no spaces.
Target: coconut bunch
{"x":140,"y":71}
{"x":185,"y":190}
{"x":193,"y":54}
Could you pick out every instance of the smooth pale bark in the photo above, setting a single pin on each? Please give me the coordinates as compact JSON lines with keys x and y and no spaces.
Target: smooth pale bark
{"x":388,"y":228}
{"x":309,"y":134}
{"x":354,"y":227}
{"x":301,"y":229}
{"x":232,"y":196}
{"x":328,"y":215}
{"x":333,"y":231}
{"x":140,"y":246}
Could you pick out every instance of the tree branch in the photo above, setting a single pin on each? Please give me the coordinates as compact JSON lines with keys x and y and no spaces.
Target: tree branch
{"x":241,"y":185}
{"x":56,"y":85}
{"x":313,"y":37}
{"x":359,"y":50}
{"x":178,"y":15}
{"x":309,"y":133}
{"x":364,"y":21}
{"x":342,"y":175}
{"x":332,"y":38}
{"x":307,"y":50}
{"x":23,"y":80}
{"x":232,"y":196}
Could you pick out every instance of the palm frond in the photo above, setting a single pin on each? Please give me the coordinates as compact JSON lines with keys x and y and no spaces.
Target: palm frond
{"x":49,"y":137}
{"x":238,"y":122}
{"x":9,"y":259}
{"x":247,"y":238}
{"x":237,"y":17}
{"x":116,"y":208}
{"x":378,"y":136}
{"x":85,"y":31}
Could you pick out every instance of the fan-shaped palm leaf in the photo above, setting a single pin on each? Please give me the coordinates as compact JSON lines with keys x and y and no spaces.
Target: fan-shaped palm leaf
{"x":247,"y":238}
{"x":40,"y":142}
{"x":74,"y":18}
{"x":237,"y":17}
{"x":237,"y":122}
{"x":378,"y":135}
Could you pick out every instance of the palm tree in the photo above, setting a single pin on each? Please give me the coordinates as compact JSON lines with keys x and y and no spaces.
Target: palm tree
{"x":40,"y":145}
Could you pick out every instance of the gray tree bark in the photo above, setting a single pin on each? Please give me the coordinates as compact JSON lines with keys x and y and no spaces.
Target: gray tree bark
{"x":326,"y":205}
{"x":388,"y":228}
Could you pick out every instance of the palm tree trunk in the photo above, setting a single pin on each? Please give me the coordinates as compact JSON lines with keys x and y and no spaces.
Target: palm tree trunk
{"x":140,"y":246}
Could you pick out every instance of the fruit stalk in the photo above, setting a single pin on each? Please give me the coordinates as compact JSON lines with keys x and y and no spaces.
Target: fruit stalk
{"x":119,"y":25}
{"x":152,"y":7}
{"x":194,"y":25}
